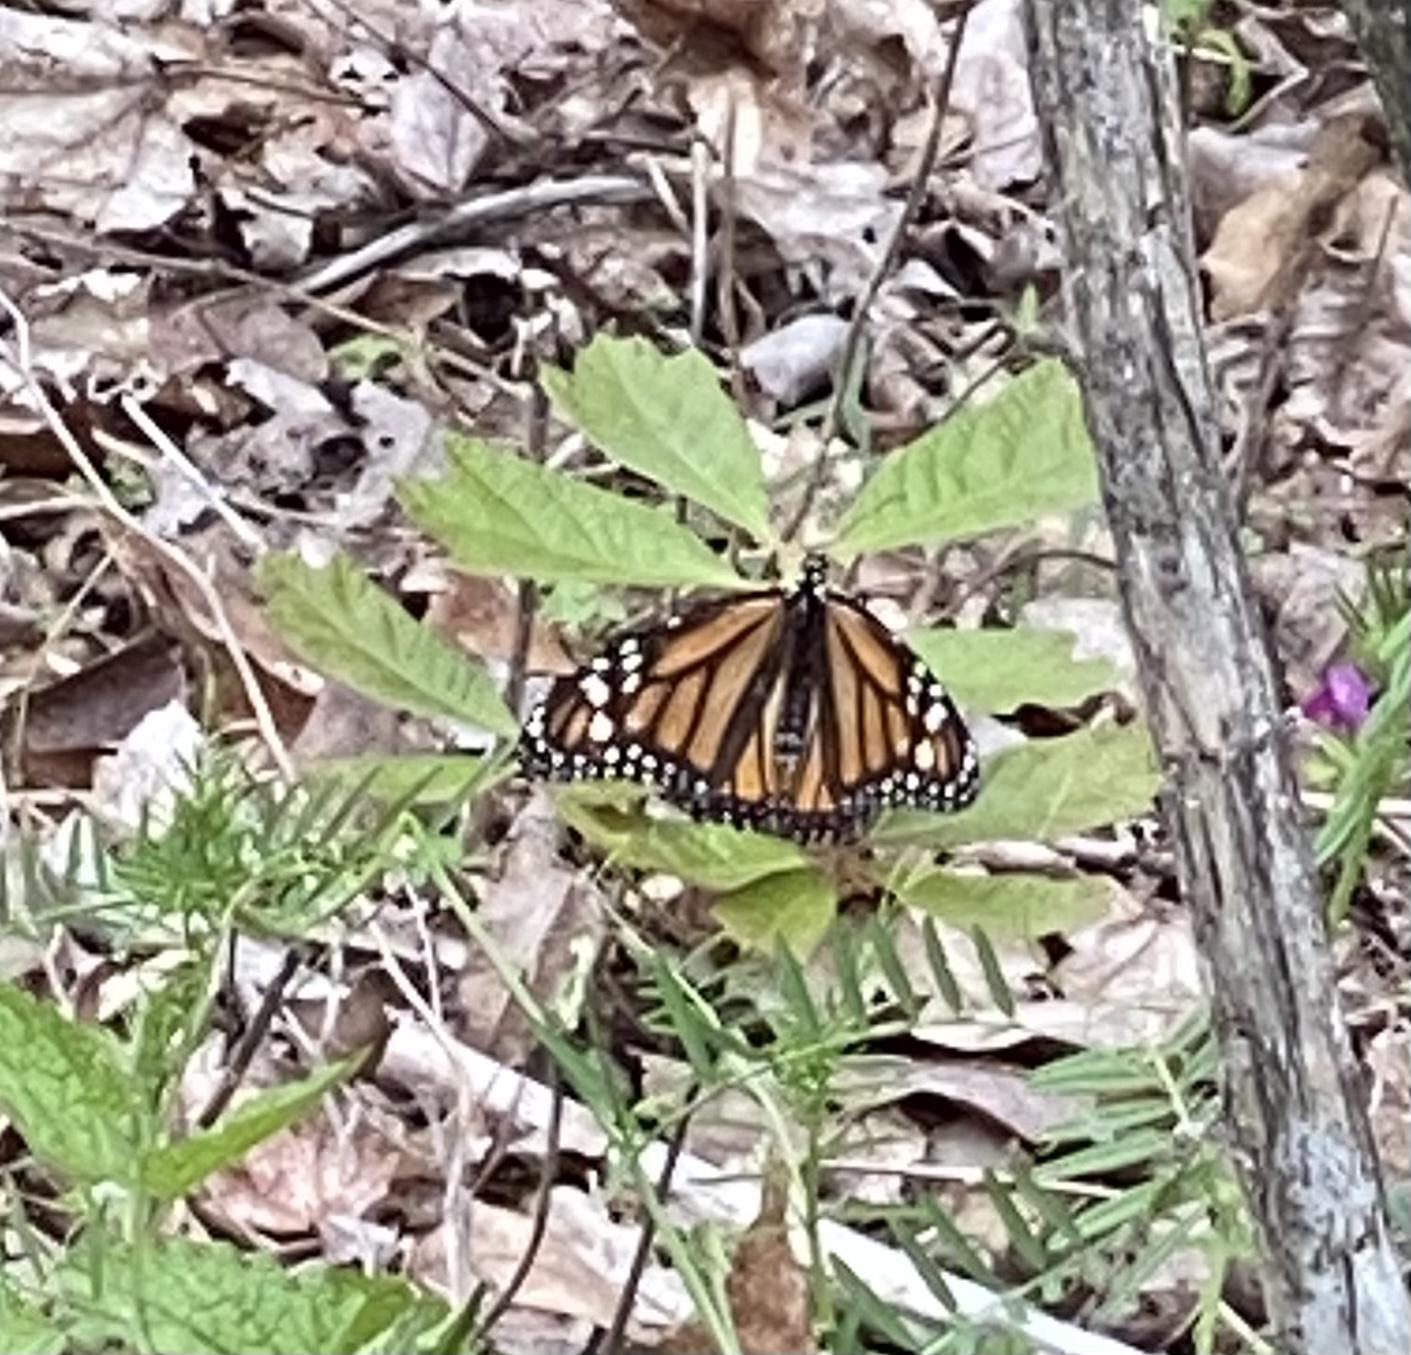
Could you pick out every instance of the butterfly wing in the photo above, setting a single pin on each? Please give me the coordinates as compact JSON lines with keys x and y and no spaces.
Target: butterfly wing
{"x":792,"y":712}
{"x":886,"y":732}
{"x":678,"y":707}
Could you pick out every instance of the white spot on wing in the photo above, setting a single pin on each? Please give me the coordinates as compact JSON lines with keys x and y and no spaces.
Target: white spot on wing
{"x":600,"y":728}
{"x":595,"y":691}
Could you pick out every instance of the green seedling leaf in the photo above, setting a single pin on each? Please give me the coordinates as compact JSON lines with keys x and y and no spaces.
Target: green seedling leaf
{"x":793,"y":908}
{"x":993,"y":971}
{"x":1044,"y":789}
{"x":1133,"y":1203}
{"x":997,"y":670}
{"x":173,"y":1296}
{"x":1100,"y":1159}
{"x":24,"y":1330}
{"x":1024,"y":454}
{"x":893,"y":970}
{"x":1098,"y":1072}
{"x":340,"y":622}
{"x":711,"y":855}
{"x":497,"y":513}
{"x":1016,"y":904}
{"x":667,"y":419}
{"x":66,"y":1086}
{"x":941,"y":971}
{"x":173,"y":1169}
{"x":427,"y":778}
{"x":366,"y":355}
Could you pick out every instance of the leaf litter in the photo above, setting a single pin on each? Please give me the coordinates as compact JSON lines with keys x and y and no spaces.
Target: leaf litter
{"x":174,"y":190}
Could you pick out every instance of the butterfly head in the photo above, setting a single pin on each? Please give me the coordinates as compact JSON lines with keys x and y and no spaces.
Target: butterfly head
{"x":813,"y":576}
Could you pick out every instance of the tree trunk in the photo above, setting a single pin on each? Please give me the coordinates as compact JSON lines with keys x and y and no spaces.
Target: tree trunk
{"x":1295,"y":1114}
{"x":1383,"y":29}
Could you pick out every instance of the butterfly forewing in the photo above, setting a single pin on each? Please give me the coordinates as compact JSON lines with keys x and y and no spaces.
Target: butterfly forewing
{"x":788,"y":711}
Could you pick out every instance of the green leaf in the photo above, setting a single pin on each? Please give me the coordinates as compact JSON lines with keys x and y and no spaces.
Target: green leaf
{"x":1009,"y":905}
{"x":340,"y":622}
{"x":794,"y":908}
{"x":429,"y":778}
{"x":708,"y":854}
{"x":499,"y":514}
{"x":24,"y":1330}
{"x":173,"y":1296}
{"x":65,"y":1085}
{"x":364,"y":356}
{"x":173,"y":1169}
{"x":997,"y":670}
{"x":1044,"y":789}
{"x":667,"y":419}
{"x":1024,"y":454}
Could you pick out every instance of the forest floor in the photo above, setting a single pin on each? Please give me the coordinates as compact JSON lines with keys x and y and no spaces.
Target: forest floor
{"x":261,"y":260}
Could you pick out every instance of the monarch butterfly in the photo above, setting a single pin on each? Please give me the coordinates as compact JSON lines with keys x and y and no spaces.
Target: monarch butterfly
{"x":793,"y":711}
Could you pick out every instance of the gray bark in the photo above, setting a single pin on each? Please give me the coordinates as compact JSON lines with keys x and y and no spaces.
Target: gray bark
{"x":1295,"y":1114}
{"x":1383,"y":29}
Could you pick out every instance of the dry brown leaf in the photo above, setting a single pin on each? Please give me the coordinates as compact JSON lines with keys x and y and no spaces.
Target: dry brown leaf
{"x":1002,"y":1093}
{"x":94,"y":708}
{"x":483,"y":615}
{"x":579,"y":1268}
{"x":767,"y":1287}
{"x":547,"y":921}
{"x":1262,"y":246}
{"x":303,"y":1176}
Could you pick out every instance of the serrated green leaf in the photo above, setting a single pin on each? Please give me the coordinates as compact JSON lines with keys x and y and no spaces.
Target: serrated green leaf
{"x":1044,"y":789}
{"x":429,"y":778}
{"x":793,"y":908}
{"x":708,"y":854}
{"x":667,"y":419}
{"x":997,"y":670}
{"x":172,"y":1296}
{"x":1014,"y":904}
{"x":1024,"y":454}
{"x":171,"y":1170}
{"x":340,"y":622}
{"x":24,"y":1330}
{"x":65,"y":1085}
{"x":497,"y":513}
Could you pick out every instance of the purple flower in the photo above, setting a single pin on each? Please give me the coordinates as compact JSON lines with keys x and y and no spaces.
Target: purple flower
{"x":1341,"y":700}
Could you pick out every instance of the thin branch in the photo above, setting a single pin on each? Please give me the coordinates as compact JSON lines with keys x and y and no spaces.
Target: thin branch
{"x":548,"y":1173}
{"x":852,"y":343}
{"x":234,"y":1072}
{"x":613,"y":1339}
{"x":264,"y":718}
{"x":538,"y":432}
{"x":534,"y":197}
{"x":700,"y":239}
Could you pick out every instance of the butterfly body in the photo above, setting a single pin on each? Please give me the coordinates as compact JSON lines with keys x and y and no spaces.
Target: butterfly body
{"x":792,"y":711}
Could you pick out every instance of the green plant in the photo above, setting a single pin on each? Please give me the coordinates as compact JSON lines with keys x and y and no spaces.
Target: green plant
{"x":1023,"y":455}
{"x":1373,"y":760}
{"x":96,"y":1107}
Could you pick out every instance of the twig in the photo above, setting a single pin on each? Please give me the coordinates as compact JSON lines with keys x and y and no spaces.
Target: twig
{"x":172,"y":453}
{"x":853,"y":341}
{"x":700,"y":240}
{"x":548,"y":1170}
{"x":264,"y":718}
{"x":612,"y":1341}
{"x":728,"y":318}
{"x":538,"y":432}
{"x":234,"y":1071}
{"x":534,"y":197}
{"x":478,"y":111}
